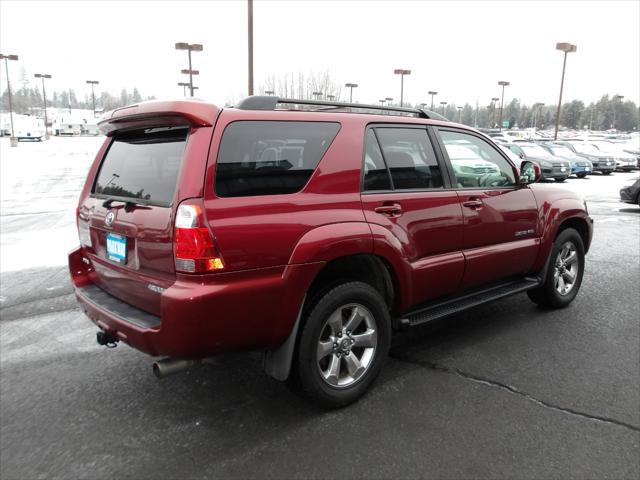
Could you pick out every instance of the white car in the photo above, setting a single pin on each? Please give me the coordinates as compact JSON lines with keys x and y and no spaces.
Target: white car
{"x":624,"y":161}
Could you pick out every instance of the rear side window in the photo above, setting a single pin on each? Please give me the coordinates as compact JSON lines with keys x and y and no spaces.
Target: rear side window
{"x":270,"y":157}
{"x":142,"y":165}
{"x":410,"y":157}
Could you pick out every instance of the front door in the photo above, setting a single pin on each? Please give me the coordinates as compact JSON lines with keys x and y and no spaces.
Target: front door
{"x":404,"y":192}
{"x":500,"y":217}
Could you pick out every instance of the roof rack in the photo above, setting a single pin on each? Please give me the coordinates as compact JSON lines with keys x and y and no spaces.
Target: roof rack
{"x":264,"y":102}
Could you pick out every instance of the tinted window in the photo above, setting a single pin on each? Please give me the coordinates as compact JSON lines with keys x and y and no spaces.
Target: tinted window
{"x":143,"y":164}
{"x":270,"y":158}
{"x":410,"y":157}
{"x":376,"y":176}
{"x":475,"y":162}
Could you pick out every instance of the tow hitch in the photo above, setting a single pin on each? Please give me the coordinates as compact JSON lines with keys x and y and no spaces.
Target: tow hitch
{"x":107,"y":339}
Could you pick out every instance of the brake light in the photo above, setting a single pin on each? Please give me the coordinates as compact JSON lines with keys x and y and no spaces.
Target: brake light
{"x":194,"y":247}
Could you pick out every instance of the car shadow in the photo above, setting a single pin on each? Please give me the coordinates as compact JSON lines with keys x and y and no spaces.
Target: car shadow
{"x":629,"y":210}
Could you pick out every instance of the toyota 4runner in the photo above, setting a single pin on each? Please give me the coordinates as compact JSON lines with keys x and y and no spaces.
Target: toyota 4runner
{"x":310,"y":231}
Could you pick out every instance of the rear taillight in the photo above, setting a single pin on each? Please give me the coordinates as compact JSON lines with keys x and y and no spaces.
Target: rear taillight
{"x":194,"y":247}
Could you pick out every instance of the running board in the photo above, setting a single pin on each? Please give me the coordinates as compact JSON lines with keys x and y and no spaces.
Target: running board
{"x":464,"y":302}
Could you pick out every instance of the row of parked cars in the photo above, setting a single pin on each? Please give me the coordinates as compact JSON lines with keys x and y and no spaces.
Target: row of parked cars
{"x":559,"y":159}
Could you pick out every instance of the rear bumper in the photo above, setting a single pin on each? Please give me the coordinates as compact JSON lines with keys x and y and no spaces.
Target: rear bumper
{"x":202,"y":315}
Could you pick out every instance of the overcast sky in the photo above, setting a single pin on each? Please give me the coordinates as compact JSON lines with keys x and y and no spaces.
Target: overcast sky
{"x":458,"y":48}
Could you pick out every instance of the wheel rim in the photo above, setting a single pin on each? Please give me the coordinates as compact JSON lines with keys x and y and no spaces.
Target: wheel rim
{"x":566,"y":267}
{"x":347,"y":345}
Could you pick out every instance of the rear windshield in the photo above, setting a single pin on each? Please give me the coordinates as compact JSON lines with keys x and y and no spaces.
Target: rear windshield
{"x":143,"y":165}
{"x":270,"y":158}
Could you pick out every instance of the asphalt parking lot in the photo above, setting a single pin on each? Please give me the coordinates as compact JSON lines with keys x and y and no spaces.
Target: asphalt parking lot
{"x":505,"y":391}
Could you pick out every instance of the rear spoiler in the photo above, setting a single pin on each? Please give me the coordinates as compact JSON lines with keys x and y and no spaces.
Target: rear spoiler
{"x":155,"y":113}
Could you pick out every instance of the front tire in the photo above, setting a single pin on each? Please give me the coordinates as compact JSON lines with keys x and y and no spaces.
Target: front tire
{"x":342,"y":346}
{"x":564,"y":275}
{"x":560,"y":180}
{"x":582,"y":175}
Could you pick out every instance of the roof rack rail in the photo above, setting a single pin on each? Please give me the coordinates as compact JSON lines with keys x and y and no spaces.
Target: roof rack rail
{"x":268,"y":102}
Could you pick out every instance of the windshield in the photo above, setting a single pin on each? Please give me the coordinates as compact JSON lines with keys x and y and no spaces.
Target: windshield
{"x":605,"y":147}
{"x":535,"y":151}
{"x":143,"y":164}
{"x":586,"y":148}
{"x":562,"y":151}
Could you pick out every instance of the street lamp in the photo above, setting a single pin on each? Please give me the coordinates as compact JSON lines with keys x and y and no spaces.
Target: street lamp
{"x":382,"y":100}
{"x":459,"y":114}
{"x":184,"y":86}
{"x":317,"y":95}
{"x":432,"y":93}
{"x":93,"y":95}
{"x":389,"y":100}
{"x":536,"y":109}
{"x":269,"y":92}
{"x":615,"y":97}
{"x":44,"y":96}
{"x":443,"y":104}
{"x":13,"y":140}
{"x":503,"y":84}
{"x":190,"y":47}
{"x":402,"y":72}
{"x":351,"y":86}
{"x":331,"y":97}
{"x":493,"y":111}
{"x":566,"y":48}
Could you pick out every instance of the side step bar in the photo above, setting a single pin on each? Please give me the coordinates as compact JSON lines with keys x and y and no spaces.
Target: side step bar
{"x":464,"y":302}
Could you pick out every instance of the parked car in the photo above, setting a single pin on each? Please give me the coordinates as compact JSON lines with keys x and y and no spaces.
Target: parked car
{"x":552,"y":167}
{"x":309,"y":235}
{"x":580,"y":166}
{"x":515,"y":159}
{"x":624,"y":161}
{"x":601,"y":162}
{"x":631,"y":193}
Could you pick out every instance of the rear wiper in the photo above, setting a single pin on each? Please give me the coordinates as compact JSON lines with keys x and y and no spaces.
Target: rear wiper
{"x":128,"y":204}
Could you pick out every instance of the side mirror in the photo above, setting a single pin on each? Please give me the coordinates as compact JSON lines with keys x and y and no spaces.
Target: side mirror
{"x":529,"y":172}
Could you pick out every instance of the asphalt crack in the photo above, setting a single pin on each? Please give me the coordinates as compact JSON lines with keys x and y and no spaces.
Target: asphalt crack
{"x":513,"y":390}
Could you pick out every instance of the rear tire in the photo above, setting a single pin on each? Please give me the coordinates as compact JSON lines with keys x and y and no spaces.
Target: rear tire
{"x":559,"y":180}
{"x":606,"y":173}
{"x":342,"y":346}
{"x":564,"y":275}
{"x":582,"y":175}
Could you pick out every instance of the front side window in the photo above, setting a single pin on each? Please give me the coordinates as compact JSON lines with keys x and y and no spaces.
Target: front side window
{"x":410,"y":158}
{"x":270,"y":157}
{"x":142,"y":165}
{"x":476,"y":163}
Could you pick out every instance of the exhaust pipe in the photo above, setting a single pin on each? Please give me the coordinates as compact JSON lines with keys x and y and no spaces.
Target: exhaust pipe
{"x":168,"y":366}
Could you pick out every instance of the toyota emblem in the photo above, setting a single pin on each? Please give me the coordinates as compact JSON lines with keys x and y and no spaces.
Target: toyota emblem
{"x":108,"y":220}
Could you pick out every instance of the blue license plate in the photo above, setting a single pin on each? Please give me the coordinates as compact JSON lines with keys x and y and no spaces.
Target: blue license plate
{"x":116,"y":248}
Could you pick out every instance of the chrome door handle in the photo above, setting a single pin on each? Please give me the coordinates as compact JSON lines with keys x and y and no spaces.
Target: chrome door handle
{"x":391,"y":210}
{"x":473,"y":204}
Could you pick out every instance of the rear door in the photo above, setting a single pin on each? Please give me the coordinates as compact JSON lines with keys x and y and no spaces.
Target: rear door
{"x":126,"y":222}
{"x":500,"y":216}
{"x":406,"y":191}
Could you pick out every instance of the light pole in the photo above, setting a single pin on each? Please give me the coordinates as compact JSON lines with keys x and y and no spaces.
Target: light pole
{"x":317,"y":95}
{"x":331,"y":97}
{"x":269,"y":92}
{"x":382,"y":100}
{"x":503,"y":84}
{"x":44,"y":96}
{"x":493,"y":111}
{"x":351,"y":86}
{"x":459,"y":114}
{"x":13,"y":140}
{"x":389,"y":100}
{"x":249,"y":43}
{"x":536,"y":107}
{"x":615,"y":97}
{"x":432,"y":93}
{"x":402,"y":72}
{"x":190,"y":47}
{"x":566,"y":48}
{"x":443,"y":105}
{"x":93,"y":95}
{"x":184,"y":86}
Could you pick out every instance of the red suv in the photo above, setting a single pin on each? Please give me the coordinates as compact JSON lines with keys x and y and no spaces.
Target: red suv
{"x":310,"y":231}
